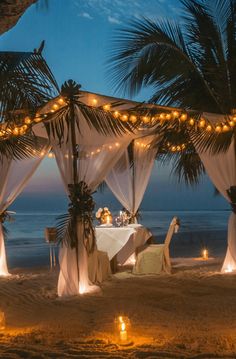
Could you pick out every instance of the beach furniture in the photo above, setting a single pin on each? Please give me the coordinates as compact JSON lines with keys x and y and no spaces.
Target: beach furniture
{"x":155,"y":258}
{"x":98,"y":266}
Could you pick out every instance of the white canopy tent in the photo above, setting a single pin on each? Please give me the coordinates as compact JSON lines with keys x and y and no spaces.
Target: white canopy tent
{"x":102,"y":157}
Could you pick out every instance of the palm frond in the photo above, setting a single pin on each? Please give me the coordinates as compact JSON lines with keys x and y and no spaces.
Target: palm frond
{"x":26,"y":82}
{"x":189,"y":65}
{"x":22,"y":147}
{"x":58,"y":123}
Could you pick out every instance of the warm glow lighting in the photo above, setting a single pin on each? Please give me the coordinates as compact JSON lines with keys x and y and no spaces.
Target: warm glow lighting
{"x":2,"y":320}
{"x":82,"y":289}
{"x":55,"y":106}
{"x":117,"y":144}
{"x":168,"y":116}
{"x":218,"y":128}
{"x":50,"y":155}
{"x":27,"y":120}
{"x":61,"y":101}
{"x":145,"y":119}
{"x":162,"y":116}
{"x":123,"y":331}
{"x":116,"y":114}
{"x":175,"y":114}
{"x":16,"y":131}
{"x":229,"y":269}
{"x":231,"y":123}
{"x":209,"y":128}
{"x":191,"y":121}
{"x":106,"y":107}
{"x":124,"y":118}
{"x":183,"y":117}
{"x":133,"y":119}
{"x":94,"y":101}
{"x":205,"y":254}
{"x":226,"y":128}
{"x":173,"y":148}
{"x":202,"y":123}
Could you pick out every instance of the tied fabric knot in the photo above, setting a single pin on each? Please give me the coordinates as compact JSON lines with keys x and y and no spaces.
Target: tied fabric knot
{"x":231,"y":192}
{"x":6,"y":216}
{"x":80,"y":211}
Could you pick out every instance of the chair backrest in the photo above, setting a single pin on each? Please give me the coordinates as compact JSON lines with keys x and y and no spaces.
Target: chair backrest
{"x":171,"y":231}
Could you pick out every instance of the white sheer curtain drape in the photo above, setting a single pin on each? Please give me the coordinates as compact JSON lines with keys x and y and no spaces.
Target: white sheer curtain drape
{"x":221,"y":169}
{"x":14,"y":176}
{"x":97,"y":154}
{"x":128,"y":183}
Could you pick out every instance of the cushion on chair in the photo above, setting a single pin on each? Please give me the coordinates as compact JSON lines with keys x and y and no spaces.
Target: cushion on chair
{"x":150,"y":260}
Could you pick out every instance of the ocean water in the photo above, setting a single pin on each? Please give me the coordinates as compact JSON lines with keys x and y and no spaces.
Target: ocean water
{"x":26,"y":245}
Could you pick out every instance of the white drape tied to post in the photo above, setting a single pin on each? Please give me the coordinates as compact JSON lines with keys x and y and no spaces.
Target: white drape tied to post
{"x":129,"y":182}
{"x":97,"y":154}
{"x":14,"y":176}
{"x":221,"y":169}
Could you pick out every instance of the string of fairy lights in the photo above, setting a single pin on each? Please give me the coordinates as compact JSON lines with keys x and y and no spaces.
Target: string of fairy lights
{"x":200,"y":123}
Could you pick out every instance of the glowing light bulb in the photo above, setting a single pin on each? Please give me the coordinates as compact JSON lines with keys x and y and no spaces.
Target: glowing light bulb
{"x":107,"y":107}
{"x":218,"y":128}
{"x":191,"y":121}
{"x":15,"y":131}
{"x":116,"y":114}
{"x":55,"y":106}
{"x":183,"y":117}
{"x":168,"y":116}
{"x":231,"y":123}
{"x":146,"y":119}
{"x":133,"y":119}
{"x":27,"y":120}
{"x":124,"y":118}
{"x":61,"y":101}
{"x":202,"y":123}
{"x":209,"y":128}
{"x":175,"y":114}
{"x":94,"y":101}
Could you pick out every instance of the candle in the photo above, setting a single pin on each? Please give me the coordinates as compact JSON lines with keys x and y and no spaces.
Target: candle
{"x":123,"y":333}
{"x":205,"y":254}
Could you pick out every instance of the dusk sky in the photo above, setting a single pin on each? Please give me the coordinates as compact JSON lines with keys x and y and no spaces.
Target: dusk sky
{"x":78,"y":35}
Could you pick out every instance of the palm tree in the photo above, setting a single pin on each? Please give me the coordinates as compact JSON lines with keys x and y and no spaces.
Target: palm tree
{"x":191,"y":65}
{"x":26,"y":83}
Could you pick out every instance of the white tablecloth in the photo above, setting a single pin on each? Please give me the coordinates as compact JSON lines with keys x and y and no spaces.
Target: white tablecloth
{"x":121,"y":241}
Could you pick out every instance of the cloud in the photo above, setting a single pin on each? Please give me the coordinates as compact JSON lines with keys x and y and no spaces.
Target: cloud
{"x":86,"y":15}
{"x":113,"y":20}
{"x":115,"y":10}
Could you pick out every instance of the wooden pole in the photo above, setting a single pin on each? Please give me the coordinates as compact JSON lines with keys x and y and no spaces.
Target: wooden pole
{"x":75,"y":169}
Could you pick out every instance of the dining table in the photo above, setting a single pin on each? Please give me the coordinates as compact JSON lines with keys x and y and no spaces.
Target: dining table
{"x":121,"y":242}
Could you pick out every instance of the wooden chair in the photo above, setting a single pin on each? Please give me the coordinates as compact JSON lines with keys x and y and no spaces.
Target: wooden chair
{"x":155,"y":258}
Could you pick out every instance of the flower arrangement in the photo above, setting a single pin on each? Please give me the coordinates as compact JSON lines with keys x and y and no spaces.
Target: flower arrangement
{"x":104,"y":215}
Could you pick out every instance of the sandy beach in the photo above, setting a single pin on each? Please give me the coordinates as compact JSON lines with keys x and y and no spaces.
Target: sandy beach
{"x":189,"y":314}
